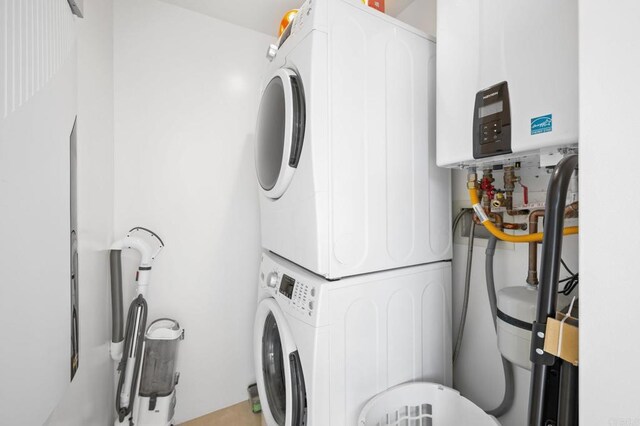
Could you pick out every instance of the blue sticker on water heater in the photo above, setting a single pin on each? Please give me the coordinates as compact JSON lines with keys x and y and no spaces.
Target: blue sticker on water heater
{"x":542,"y":124}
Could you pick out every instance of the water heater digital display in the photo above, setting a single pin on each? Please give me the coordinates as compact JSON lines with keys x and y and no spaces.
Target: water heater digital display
{"x":490,"y":109}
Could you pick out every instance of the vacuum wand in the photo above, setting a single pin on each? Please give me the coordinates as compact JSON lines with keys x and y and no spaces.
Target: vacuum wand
{"x":134,"y":241}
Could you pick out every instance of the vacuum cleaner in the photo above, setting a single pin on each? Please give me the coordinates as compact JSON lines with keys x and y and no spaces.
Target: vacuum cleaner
{"x":146,"y":361}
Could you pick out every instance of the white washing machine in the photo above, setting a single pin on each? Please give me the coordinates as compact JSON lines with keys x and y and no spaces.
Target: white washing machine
{"x":345,"y":145}
{"x":324,"y":348}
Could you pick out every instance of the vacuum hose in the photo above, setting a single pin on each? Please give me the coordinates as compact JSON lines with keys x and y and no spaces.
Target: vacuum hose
{"x":115,"y":257}
{"x":507,"y":399}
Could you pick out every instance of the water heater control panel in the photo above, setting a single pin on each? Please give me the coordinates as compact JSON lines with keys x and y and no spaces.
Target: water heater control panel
{"x":492,"y":122}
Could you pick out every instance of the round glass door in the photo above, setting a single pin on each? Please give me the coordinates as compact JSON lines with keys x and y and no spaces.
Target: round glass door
{"x":280,"y":132}
{"x":273,"y":370}
{"x":278,"y":368}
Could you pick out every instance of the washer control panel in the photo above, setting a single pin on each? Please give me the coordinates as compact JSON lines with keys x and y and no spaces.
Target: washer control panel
{"x":301,"y":296}
{"x":301,"y":299}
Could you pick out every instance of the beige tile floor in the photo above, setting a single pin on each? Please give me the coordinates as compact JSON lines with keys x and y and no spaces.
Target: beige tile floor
{"x":236,"y":415}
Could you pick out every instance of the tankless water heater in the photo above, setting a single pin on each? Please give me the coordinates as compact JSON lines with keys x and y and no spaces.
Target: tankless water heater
{"x":507,"y":81}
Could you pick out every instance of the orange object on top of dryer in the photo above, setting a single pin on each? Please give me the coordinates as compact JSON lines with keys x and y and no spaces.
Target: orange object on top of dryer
{"x":287,"y":19}
{"x":376,"y":4}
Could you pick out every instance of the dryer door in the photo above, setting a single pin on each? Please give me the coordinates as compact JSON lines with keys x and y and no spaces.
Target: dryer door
{"x":280,"y":132}
{"x":278,"y":368}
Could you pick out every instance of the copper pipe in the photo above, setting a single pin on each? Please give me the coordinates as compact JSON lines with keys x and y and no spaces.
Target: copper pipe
{"x":532,"y":275}
{"x":510,"y":180}
{"x":476,"y":220}
{"x":509,"y":205}
{"x":570,"y":211}
{"x":499,"y":221}
{"x":516,"y":226}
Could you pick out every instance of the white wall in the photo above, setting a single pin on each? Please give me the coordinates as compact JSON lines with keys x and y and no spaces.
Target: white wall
{"x":609,"y":148}
{"x":89,"y":399}
{"x":186,"y":96}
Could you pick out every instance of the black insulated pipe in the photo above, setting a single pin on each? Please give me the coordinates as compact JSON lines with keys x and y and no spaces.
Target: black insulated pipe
{"x":115,"y":260}
{"x":568,"y":399}
{"x":539,"y":396}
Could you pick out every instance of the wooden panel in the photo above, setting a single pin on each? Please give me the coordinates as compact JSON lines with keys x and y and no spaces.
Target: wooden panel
{"x":236,"y":415}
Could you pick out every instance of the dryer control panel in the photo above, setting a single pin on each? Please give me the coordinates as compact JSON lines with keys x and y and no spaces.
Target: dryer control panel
{"x":304,"y":14}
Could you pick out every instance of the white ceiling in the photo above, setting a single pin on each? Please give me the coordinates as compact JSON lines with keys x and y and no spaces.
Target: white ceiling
{"x":260,"y":15}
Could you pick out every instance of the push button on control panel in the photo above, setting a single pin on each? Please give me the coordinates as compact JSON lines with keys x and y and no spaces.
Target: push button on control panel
{"x":301,"y":299}
{"x":490,"y":132}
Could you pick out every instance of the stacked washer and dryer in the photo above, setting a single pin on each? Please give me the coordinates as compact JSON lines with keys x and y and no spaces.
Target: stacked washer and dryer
{"x":354,"y":284}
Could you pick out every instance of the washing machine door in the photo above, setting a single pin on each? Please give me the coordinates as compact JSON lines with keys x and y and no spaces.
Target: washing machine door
{"x":278,"y":368}
{"x":280,"y":132}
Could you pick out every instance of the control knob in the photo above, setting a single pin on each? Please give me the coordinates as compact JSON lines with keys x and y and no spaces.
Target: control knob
{"x":272,"y":279}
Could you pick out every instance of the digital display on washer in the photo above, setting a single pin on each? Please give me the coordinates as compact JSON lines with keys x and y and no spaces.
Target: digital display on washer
{"x":493,"y":108}
{"x":286,"y":285}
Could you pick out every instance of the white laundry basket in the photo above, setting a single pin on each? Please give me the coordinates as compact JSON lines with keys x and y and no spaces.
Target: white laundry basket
{"x":423,"y":404}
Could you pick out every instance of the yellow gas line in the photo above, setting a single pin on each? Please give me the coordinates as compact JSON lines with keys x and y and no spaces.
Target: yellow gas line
{"x":529,"y":238}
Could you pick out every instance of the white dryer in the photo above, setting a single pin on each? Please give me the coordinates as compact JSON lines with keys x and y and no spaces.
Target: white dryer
{"x":345,"y":145}
{"x":324,"y":348}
